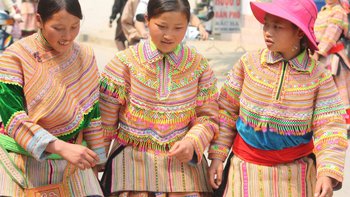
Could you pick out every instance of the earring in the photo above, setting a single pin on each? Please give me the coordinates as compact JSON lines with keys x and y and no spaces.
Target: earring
{"x":295,"y":48}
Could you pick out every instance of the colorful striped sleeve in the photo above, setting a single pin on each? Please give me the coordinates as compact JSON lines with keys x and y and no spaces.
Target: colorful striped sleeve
{"x":206,"y":125}
{"x":337,"y":23}
{"x":112,"y":97}
{"x":93,"y":134}
{"x":330,"y":136}
{"x":228,"y":112}
{"x":33,"y":138}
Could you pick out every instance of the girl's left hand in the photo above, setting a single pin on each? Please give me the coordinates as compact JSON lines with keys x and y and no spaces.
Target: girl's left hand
{"x":324,"y":187}
{"x":203,"y":32}
{"x":183,"y":151}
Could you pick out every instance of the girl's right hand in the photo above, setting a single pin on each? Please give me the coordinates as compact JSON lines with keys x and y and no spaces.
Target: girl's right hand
{"x":215,"y":173}
{"x":80,"y":156}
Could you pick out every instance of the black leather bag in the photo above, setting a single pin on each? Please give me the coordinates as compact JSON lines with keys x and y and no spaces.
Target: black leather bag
{"x":220,"y":191}
{"x":106,"y":179}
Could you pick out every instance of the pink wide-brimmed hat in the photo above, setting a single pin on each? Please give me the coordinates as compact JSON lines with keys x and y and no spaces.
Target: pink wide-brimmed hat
{"x":301,"y":13}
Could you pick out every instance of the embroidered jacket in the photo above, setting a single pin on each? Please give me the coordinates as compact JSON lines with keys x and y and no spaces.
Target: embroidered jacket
{"x":278,"y":105}
{"x":331,"y":23}
{"x":157,"y":99}
{"x":46,"y":95}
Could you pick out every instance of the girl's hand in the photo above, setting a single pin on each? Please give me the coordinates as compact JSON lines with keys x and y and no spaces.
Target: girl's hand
{"x":80,"y":156}
{"x":215,"y":173}
{"x":324,"y":187}
{"x":183,"y":151}
{"x":203,"y":32}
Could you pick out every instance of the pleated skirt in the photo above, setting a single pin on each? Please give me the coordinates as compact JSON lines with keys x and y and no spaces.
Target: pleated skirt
{"x":134,"y":170}
{"x":296,"y":179}
{"x":81,"y":183}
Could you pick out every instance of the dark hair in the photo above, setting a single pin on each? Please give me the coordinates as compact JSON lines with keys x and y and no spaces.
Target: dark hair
{"x":157,"y":7}
{"x":47,"y":8}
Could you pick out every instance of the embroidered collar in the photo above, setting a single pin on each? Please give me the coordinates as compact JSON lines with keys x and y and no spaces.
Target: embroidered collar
{"x":148,"y":54}
{"x":330,"y":6}
{"x":302,"y":62}
{"x":43,"y":50}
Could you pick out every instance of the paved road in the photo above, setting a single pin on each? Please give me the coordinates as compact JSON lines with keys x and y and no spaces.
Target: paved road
{"x":221,"y":56}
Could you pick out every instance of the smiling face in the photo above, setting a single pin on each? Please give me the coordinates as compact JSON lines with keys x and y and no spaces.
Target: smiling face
{"x":60,"y":30}
{"x":282,"y":36}
{"x":167,"y":30}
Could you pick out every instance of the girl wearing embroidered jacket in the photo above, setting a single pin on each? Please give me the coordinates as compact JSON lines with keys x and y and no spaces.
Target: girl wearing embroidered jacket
{"x":49,"y":93}
{"x":278,"y":106}
{"x":330,"y":26}
{"x":159,"y":101}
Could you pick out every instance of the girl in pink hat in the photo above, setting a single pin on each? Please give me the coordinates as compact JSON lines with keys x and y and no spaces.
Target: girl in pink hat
{"x":280,"y":113}
{"x":330,"y":26}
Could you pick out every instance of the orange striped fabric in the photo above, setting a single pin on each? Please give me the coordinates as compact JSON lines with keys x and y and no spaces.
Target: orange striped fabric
{"x":331,"y":23}
{"x":59,"y":90}
{"x":40,"y":173}
{"x":297,"y":179}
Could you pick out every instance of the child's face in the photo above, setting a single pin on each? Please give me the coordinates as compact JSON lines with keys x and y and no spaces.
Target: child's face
{"x":282,"y":36}
{"x":167,"y":30}
{"x":60,"y":30}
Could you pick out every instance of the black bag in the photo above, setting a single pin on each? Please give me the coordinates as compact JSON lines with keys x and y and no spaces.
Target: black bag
{"x":220,"y":191}
{"x":106,"y":179}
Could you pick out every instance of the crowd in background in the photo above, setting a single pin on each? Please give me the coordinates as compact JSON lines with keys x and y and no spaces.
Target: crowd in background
{"x":280,"y":111}
{"x":24,"y":14}
{"x":131,"y":27}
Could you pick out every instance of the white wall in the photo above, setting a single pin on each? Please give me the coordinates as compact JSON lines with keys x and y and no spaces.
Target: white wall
{"x":246,"y":7}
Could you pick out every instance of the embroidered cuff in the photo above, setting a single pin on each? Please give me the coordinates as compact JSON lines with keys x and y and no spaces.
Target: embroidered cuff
{"x":219,"y":152}
{"x":330,"y":172}
{"x":200,"y":139}
{"x":101,"y":152}
{"x":38,"y":143}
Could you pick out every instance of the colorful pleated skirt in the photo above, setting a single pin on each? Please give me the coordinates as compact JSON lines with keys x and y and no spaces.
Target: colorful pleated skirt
{"x":296,"y":179}
{"x":81,"y":183}
{"x":134,"y":170}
